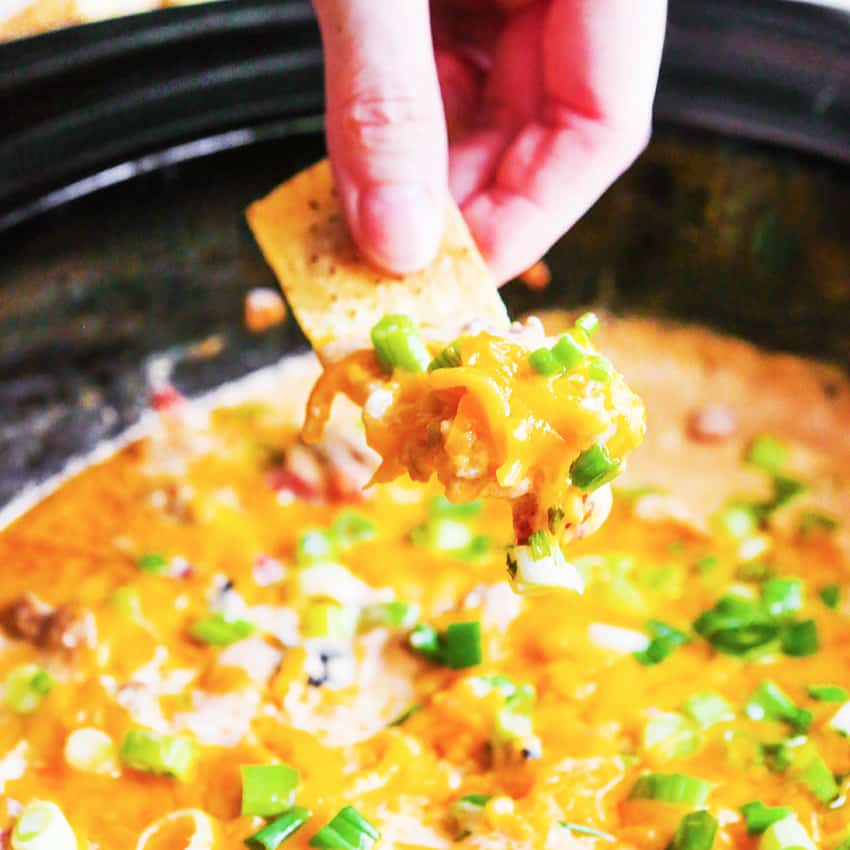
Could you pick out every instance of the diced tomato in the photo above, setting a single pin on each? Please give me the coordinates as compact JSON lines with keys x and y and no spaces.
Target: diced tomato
{"x":165,"y":397}
{"x":284,"y":480}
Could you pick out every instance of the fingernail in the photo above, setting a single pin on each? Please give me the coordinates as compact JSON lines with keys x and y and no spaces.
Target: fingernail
{"x":399,"y":226}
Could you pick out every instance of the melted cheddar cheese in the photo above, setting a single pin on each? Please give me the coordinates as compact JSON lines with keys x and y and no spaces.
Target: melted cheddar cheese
{"x":491,"y":425}
{"x":104,"y":581}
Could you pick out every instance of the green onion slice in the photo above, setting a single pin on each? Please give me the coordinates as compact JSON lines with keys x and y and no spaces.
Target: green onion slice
{"x":759,"y":817}
{"x":670,"y":735}
{"x":828,"y":693}
{"x":800,"y":639}
{"x":672,"y":788}
{"x":268,"y":789}
{"x":217,"y":630}
{"x":43,"y":826}
{"x":568,"y":352}
{"x":830,"y":595}
{"x":786,"y":834}
{"x":770,"y":702}
{"x":393,"y":615}
{"x":398,"y":344}
{"x":448,"y":358}
{"x":152,"y":562}
{"x":782,"y":596}
{"x":350,"y":528}
{"x":539,"y":545}
{"x":813,"y":521}
{"x":708,"y":709}
{"x":593,"y":468}
{"x":588,"y":322}
{"x":424,"y":640}
{"x":664,"y":640}
{"x":331,"y":621}
{"x":26,"y":687}
{"x":461,"y":645}
{"x":545,"y":363}
{"x":275,"y":833}
{"x":347,"y":830}
{"x":767,"y":453}
{"x":442,"y":507}
{"x":158,"y":754}
{"x":600,"y":368}
{"x":696,"y":831}
{"x":406,"y":715}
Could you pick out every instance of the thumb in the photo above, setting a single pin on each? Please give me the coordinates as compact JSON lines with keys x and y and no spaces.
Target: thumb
{"x":385,"y":128}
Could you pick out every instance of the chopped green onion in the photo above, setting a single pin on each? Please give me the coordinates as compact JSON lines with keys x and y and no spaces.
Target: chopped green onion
{"x":128,"y":603}
{"x":770,"y":702}
{"x":600,"y":368}
{"x":538,"y":543}
{"x":442,"y":507}
{"x":217,"y":630}
{"x":739,"y":520}
{"x":43,"y":826}
{"x":707,"y":564}
{"x":767,"y":453}
{"x":785,"y":490}
{"x":671,"y":788}
{"x":350,"y":528}
{"x":406,"y":715}
{"x":460,"y":645}
{"x":91,"y":751}
{"x":152,"y":562}
{"x":158,"y":754}
{"x":347,"y":830}
{"x":588,"y":322}
{"x":593,"y":468}
{"x":841,"y":720}
{"x":588,"y":830}
{"x":670,"y":735}
{"x":268,"y":789}
{"x":754,"y":571}
{"x":800,"y":639}
{"x":425,"y":640}
{"x":778,"y":756}
{"x":664,"y":640}
{"x":782,"y":596}
{"x":467,"y":811}
{"x":513,"y":729}
{"x":696,"y":831}
{"x":830,"y":595}
{"x":483,"y":685}
{"x":26,"y":687}
{"x":815,"y":774}
{"x":545,"y":363}
{"x":271,"y":836}
{"x":828,"y":693}
{"x":535,"y":575}
{"x":759,"y":817}
{"x":737,"y":626}
{"x":393,"y":615}
{"x":314,"y":546}
{"x":448,"y":358}
{"x":707,"y":710}
{"x":442,"y":534}
{"x":398,"y":344}
{"x":786,"y":834}
{"x":568,"y":352}
{"x":331,"y":621}
{"x":816,"y":521}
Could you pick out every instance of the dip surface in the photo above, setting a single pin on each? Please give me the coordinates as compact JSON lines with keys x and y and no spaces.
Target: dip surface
{"x":175,"y":589}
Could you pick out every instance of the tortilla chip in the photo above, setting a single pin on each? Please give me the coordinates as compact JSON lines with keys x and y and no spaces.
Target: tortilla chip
{"x":337,"y":296}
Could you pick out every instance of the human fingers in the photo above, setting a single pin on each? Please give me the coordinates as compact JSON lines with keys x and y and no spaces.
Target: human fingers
{"x":385,"y":128}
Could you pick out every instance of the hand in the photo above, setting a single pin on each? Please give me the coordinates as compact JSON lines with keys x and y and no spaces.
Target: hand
{"x":548,"y":102}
